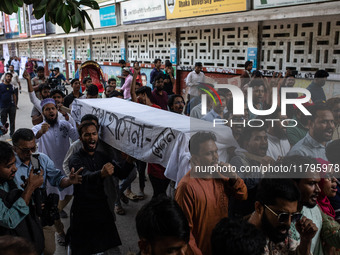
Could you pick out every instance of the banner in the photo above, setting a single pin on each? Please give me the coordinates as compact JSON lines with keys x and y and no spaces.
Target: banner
{"x":150,"y":134}
{"x":176,"y":9}
{"x":1,"y":24}
{"x":37,"y":26}
{"x":134,"y":12}
{"x":108,"y":16}
{"x":260,"y":4}
{"x":11,"y":25}
{"x":22,"y":23}
{"x":252,"y":56}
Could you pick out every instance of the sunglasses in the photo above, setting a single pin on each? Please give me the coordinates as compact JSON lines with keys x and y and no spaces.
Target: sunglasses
{"x":28,"y":150}
{"x":284,"y":217}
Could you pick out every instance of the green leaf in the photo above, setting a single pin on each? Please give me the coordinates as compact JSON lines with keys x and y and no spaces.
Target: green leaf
{"x":41,"y":6}
{"x":60,"y":15}
{"x":38,"y":14}
{"x":93,"y":4}
{"x":51,"y":6}
{"x":9,"y":6}
{"x":67,"y":25}
{"x":19,"y":3}
{"x":88,"y":18}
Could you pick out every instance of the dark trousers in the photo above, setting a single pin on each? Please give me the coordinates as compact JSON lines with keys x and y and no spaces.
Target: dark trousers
{"x":16,"y":92}
{"x":10,"y":111}
{"x":141,"y":173}
{"x":159,"y":185}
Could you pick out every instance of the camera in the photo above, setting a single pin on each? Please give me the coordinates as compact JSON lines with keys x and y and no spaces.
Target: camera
{"x":50,"y":212}
{"x":53,"y":82}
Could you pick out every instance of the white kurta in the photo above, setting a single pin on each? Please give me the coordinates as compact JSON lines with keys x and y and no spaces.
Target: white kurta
{"x":55,"y":144}
{"x":277,"y":147}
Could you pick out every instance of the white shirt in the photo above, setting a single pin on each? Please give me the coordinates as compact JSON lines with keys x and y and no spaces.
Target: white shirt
{"x":15,"y":79}
{"x":15,"y":64}
{"x":277,"y":147}
{"x":193,"y":79}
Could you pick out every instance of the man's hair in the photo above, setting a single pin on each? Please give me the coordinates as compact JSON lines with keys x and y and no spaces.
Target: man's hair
{"x":57,"y":91}
{"x":198,"y":64}
{"x":111,"y":79}
{"x":172,"y":99}
{"x":248,"y":63}
{"x":44,"y":86}
{"x":162,"y":217}
{"x":116,"y":93}
{"x":56,"y":69}
{"x":158,"y":77}
{"x":332,"y":152}
{"x":144,"y":90}
{"x":9,"y":74}
{"x":302,"y":163}
{"x":86,"y":79}
{"x":122,"y":61}
{"x":92,"y":90}
{"x":197,"y":139}
{"x":257,"y":74}
{"x":156,"y":60}
{"x":248,"y":132}
{"x":6,"y":152}
{"x":321,"y":74}
{"x":10,"y":245}
{"x":319,"y":106}
{"x":271,"y":189}
{"x":74,"y":80}
{"x":332,"y":102}
{"x":235,"y":237}
{"x":257,"y":83}
{"x":11,"y":65}
{"x":168,"y":63}
{"x":24,"y":134}
{"x":89,"y":117}
{"x":40,"y":68}
{"x":85,"y":124}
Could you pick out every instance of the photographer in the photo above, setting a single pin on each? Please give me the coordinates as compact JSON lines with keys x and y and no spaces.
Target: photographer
{"x":17,"y":214}
{"x":55,"y":74}
{"x":25,"y":146}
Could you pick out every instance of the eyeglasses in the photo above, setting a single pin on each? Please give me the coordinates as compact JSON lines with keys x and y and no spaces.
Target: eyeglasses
{"x":284,"y":217}
{"x":27,"y":150}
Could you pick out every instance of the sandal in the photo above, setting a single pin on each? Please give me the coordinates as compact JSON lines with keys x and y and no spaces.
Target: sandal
{"x":124,"y":199}
{"x":119,"y":210}
{"x":131,"y":196}
{"x":141,"y":195}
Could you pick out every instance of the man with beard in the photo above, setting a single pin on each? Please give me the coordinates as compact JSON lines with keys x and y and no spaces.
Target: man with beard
{"x":54,"y":137}
{"x":298,"y":132}
{"x":259,"y":90}
{"x":255,"y":142}
{"x":92,"y":228}
{"x":315,"y":88}
{"x":217,"y":110}
{"x":203,"y":199}
{"x":8,"y":102}
{"x":176,"y":103}
{"x":319,"y":135}
{"x":278,"y":145}
{"x":276,"y":210}
{"x":159,"y":96}
{"x":328,"y":229}
{"x":334,"y":105}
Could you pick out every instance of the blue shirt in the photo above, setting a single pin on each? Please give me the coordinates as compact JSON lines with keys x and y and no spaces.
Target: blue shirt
{"x":309,"y":147}
{"x":6,"y":95}
{"x":318,"y":95}
{"x":51,"y":174}
{"x":11,"y":217}
{"x":154,"y":73}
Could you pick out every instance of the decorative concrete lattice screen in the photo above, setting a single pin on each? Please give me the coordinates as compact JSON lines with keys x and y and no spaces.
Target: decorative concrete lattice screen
{"x":214,"y":46}
{"x":146,"y":47}
{"x":23,"y":49}
{"x":303,"y":45}
{"x":70,"y":49}
{"x":37,"y":49}
{"x":82,"y":45}
{"x":106,"y":48}
{"x":54,"y":49}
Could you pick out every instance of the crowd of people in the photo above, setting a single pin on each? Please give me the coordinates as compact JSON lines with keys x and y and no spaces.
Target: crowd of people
{"x":239,"y":213}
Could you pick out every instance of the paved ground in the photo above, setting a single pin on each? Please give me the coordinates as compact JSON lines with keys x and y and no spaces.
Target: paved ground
{"x":125,"y":224}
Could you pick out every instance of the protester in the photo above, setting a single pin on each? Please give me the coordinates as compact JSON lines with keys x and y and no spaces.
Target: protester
{"x":156,"y":71}
{"x":123,"y":75}
{"x":11,"y":245}
{"x":8,"y":102}
{"x":334,"y":105}
{"x":315,"y":88}
{"x":15,"y":82}
{"x":38,"y":80}
{"x":176,"y":103}
{"x":75,"y":84}
{"x":169,"y":80}
{"x":246,"y":75}
{"x":159,"y":96}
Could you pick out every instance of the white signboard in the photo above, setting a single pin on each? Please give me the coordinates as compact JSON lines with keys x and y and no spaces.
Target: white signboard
{"x":5,"y":52}
{"x":260,"y":4}
{"x":149,"y":134}
{"x":134,"y":12}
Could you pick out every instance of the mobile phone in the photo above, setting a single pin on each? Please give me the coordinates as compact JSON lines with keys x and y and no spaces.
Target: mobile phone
{"x":35,"y":163}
